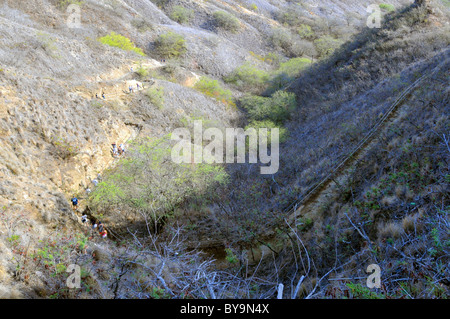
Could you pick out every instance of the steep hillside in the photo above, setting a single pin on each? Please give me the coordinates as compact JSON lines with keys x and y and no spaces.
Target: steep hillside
{"x":133,"y":71}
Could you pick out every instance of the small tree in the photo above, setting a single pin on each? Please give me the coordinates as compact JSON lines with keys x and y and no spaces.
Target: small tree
{"x":156,"y":96}
{"x":119,"y":41}
{"x":142,"y":25}
{"x":226,"y":21}
{"x":326,"y":45}
{"x":213,"y":88}
{"x":170,"y":45}
{"x":181,"y":14}
{"x":276,"y":108}
{"x":248,"y":76}
{"x":305,"y":31}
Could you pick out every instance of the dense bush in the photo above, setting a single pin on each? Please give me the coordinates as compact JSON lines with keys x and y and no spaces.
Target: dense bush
{"x":226,"y":21}
{"x":272,"y":58}
{"x":160,"y":3}
{"x":291,"y":43}
{"x":119,"y":41}
{"x":326,"y":45}
{"x":387,"y":7}
{"x":293,"y":66}
{"x":142,"y":25}
{"x":248,"y":76}
{"x":64,"y":148}
{"x":170,"y":45}
{"x":213,"y":88}
{"x":64,"y":4}
{"x":276,"y":108}
{"x":142,"y":72}
{"x":156,"y":96}
{"x":140,"y":182}
{"x":181,"y":14}
{"x":287,"y":71}
{"x":268,"y":124}
{"x":290,"y":17}
{"x":305,"y":31}
{"x":281,"y":38}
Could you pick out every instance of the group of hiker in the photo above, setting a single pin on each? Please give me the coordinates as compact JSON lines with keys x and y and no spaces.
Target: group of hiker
{"x":103,"y":96}
{"x":118,"y":151}
{"x":138,"y":87}
{"x":96,"y":225}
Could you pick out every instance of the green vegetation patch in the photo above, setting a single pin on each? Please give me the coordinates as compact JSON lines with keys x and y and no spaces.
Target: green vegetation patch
{"x":140,"y":181}
{"x":213,"y":89}
{"x":156,"y":96}
{"x":181,"y":14}
{"x":170,"y":45}
{"x":119,"y":41}
{"x":326,"y":45}
{"x":276,"y":108}
{"x":387,"y":7}
{"x":247,"y":76}
{"x":226,"y":21}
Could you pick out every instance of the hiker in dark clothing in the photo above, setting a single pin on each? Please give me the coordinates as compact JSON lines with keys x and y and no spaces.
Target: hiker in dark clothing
{"x":100,"y":227}
{"x":74,"y":203}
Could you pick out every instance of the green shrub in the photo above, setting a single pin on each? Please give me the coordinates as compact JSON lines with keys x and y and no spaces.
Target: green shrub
{"x":142,"y":25}
{"x":170,"y":45}
{"x":358,"y":291}
{"x":156,"y":96}
{"x":247,"y":76}
{"x":142,"y":72}
{"x":276,"y":108}
{"x":160,"y":3}
{"x":253,"y":7}
{"x":287,"y":71}
{"x":64,"y":148}
{"x":283,"y":133}
{"x":119,"y":41}
{"x":272,"y":58}
{"x":305,"y":31}
{"x":63,"y":4}
{"x":226,"y":21}
{"x":181,"y":14}
{"x":14,"y":240}
{"x":231,"y":257}
{"x":281,"y":38}
{"x":326,"y":45}
{"x":292,"y":67}
{"x":48,"y":44}
{"x":387,"y":7}
{"x":289,"y":17}
{"x":291,"y":43}
{"x":141,"y":181}
{"x":213,"y":89}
